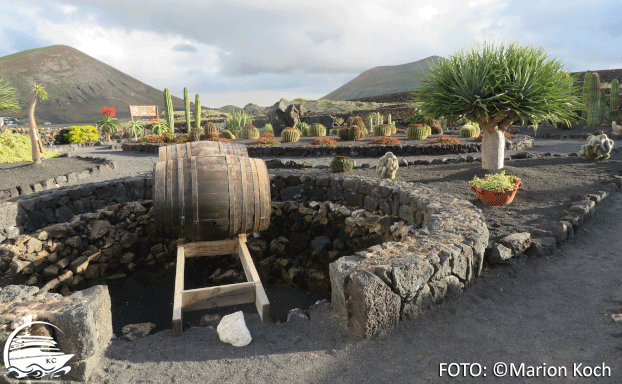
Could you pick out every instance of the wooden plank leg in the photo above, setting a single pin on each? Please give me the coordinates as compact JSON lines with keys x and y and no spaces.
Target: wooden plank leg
{"x":261,"y":299}
{"x":179,"y":288}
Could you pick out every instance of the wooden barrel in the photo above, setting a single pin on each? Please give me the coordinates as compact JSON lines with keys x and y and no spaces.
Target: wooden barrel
{"x":210,"y":197}
{"x":202,"y":148}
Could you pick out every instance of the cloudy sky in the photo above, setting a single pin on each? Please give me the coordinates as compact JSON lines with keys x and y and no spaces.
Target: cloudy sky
{"x":249,"y":51}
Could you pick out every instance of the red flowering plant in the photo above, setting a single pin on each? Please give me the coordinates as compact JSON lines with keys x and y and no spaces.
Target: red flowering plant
{"x":385,"y":140}
{"x":324,"y":141}
{"x":107,"y":124}
{"x":445,"y":139}
{"x":266,"y":141}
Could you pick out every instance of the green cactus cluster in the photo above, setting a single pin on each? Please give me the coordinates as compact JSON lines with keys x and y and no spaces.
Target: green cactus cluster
{"x":237,"y":121}
{"x":317,"y":129}
{"x":290,"y":135}
{"x":468,"y":130}
{"x":356,"y":120}
{"x":418,"y":132}
{"x":352,"y":133}
{"x":197,"y":111}
{"x":168,"y":110}
{"x":383,"y":130}
{"x":341,"y":164}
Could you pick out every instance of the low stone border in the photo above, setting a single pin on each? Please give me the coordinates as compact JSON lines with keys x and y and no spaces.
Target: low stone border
{"x":516,"y":143}
{"x":59,"y":181}
{"x":28,"y":213}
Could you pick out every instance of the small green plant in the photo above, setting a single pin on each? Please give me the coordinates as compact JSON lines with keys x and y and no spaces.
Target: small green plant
{"x":385,"y":140}
{"x":495,"y":182}
{"x":324,"y":141}
{"x":18,"y":148}
{"x":445,"y":139}
{"x":159,"y":127}
{"x":267,"y":141}
{"x":267,"y":128}
{"x":338,"y":121}
{"x":136,"y":128}
{"x":341,"y":164}
{"x":81,"y":134}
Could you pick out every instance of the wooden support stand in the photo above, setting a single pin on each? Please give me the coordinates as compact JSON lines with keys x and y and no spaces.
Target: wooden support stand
{"x":221,"y":296}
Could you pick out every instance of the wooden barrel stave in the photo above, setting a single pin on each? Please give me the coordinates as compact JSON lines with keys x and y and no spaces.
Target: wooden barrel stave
{"x":201,"y":149}
{"x":222,"y":196}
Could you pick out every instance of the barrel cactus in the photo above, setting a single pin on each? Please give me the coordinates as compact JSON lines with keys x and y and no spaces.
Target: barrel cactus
{"x":597,"y":148}
{"x":227,"y":134}
{"x":387,"y":166}
{"x":436,"y":129}
{"x":383,"y":130}
{"x":468,"y":130}
{"x":417,"y":132}
{"x":250,"y":133}
{"x":210,"y":129}
{"x":615,"y":116}
{"x":195,"y":134}
{"x":341,"y":164}
{"x":290,"y":135}
{"x":317,"y":129}
{"x":356,"y":120}
{"x":393,"y":129}
{"x":353,"y":133}
{"x":335,"y":131}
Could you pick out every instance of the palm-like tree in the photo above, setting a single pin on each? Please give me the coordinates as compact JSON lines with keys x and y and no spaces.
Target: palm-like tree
{"x":135,"y":128}
{"x":496,"y":88}
{"x":8,"y":96}
{"x":37,"y":148}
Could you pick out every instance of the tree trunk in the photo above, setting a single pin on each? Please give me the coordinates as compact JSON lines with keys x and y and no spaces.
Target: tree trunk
{"x":34,"y":136}
{"x":493,"y":149}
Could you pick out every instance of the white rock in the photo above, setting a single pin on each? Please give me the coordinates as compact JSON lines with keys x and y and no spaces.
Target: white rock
{"x":232,"y":329}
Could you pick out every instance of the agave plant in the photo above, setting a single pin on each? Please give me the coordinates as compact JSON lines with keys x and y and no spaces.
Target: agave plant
{"x":136,"y":128}
{"x":159,"y":128}
{"x":108,"y":125}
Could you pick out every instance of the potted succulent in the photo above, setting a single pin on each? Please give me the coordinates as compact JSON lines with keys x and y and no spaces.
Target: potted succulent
{"x":496,"y":188}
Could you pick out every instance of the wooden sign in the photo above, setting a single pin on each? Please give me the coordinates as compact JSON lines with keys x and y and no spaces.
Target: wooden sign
{"x":143,"y":110}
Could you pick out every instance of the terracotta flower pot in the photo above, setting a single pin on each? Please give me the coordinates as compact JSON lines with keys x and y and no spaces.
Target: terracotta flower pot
{"x":495,"y":197}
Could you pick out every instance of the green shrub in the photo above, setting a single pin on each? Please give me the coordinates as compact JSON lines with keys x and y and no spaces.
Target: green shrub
{"x":267,"y":128}
{"x":16,"y":148}
{"x":81,"y":134}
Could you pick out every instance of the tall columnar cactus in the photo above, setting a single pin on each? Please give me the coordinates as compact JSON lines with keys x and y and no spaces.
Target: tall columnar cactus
{"x":197,"y":111}
{"x":417,"y":132}
{"x":593,"y":101}
{"x":187,"y":108}
{"x":317,"y":129}
{"x":604,"y":109}
{"x":290,"y":135}
{"x":168,"y":110}
{"x":587,"y":79}
{"x":341,"y":164}
{"x":614,"y":95}
{"x":597,"y":147}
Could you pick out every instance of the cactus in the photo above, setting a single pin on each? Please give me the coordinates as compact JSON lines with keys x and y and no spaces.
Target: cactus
{"x":170,"y":136}
{"x":227,"y":134}
{"x":197,"y":111}
{"x":597,"y":147}
{"x":468,"y":130}
{"x":604,"y":109}
{"x":436,"y":129}
{"x":383,"y":130}
{"x":356,"y":120}
{"x":210,"y":129}
{"x":267,"y":128}
{"x":353,"y":133}
{"x":387,"y":166}
{"x":563,"y":125}
{"x":616,"y":128}
{"x":187,"y":108}
{"x":301,"y":126}
{"x":168,"y":109}
{"x":614,"y":95}
{"x":290,"y":135}
{"x":195,"y":134}
{"x":250,"y":133}
{"x":593,"y":100}
{"x":586,"y":90}
{"x":237,"y":121}
{"x":393,"y":128}
{"x":615,"y":116}
{"x":341,"y":164}
{"x":417,"y":132}
{"x":338,"y":121}
{"x":317,"y":129}
{"x":334,"y":131}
